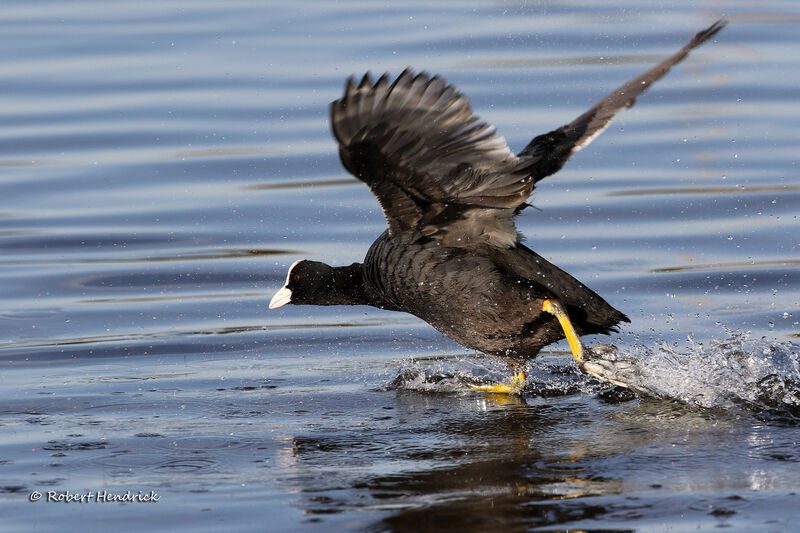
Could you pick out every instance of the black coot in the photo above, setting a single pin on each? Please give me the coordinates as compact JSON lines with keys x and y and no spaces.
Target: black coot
{"x":450,"y":188}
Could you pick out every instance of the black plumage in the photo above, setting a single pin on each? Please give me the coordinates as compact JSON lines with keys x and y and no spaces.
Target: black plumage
{"x":450,"y":188}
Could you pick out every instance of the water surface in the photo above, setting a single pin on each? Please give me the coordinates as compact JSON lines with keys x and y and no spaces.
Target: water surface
{"x":163,"y":164}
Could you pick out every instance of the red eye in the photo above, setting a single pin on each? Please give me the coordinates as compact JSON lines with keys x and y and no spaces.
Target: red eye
{"x":297,"y":278}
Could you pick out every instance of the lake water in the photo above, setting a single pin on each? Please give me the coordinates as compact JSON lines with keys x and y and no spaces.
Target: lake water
{"x":161,"y":165}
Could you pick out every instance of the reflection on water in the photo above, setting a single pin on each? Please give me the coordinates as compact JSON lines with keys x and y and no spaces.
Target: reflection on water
{"x":513,"y":466}
{"x":163,"y":164}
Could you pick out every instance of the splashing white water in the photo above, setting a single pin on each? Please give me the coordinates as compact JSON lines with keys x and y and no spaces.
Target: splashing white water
{"x":759,"y":374}
{"x":447,"y":374}
{"x":738,"y":370}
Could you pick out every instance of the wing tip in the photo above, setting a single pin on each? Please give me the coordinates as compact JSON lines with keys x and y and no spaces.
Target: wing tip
{"x":708,"y":33}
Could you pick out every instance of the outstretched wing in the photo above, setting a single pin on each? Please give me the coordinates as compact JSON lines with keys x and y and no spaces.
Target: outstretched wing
{"x":439,"y":172}
{"x":547,"y":153}
{"x":436,"y":169}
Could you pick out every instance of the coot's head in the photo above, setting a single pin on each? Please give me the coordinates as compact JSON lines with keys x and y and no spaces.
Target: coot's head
{"x":306,"y":283}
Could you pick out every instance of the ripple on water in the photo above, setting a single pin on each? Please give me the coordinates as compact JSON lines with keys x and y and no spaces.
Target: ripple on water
{"x":161,"y":455}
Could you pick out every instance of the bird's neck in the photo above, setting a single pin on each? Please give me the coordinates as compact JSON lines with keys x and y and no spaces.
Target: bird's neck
{"x":345,"y":286}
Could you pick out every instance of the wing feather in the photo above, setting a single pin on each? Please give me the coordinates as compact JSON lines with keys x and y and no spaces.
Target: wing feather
{"x":547,"y":153}
{"x":430,"y":161}
{"x":438,"y":171}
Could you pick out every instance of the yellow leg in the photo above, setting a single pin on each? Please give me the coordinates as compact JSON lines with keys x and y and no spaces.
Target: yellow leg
{"x":517,"y":383}
{"x":514,"y":386}
{"x":555,"y":308}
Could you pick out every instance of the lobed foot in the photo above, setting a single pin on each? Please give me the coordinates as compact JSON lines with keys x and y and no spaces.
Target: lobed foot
{"x":600,"y":361}
{"x":515,"y":386}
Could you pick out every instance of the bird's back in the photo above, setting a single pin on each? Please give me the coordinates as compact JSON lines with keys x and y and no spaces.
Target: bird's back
{"x":485,"y":299}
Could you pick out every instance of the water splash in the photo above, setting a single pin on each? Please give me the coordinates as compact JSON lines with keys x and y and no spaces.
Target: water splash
{"x":738,"y":371}
{"x":446,"y":374}
{"x":549,"y":375}
{"x":760,"y":374}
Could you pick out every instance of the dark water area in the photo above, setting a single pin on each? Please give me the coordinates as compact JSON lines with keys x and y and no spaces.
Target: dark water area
{"x":162,"y":164}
